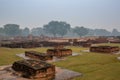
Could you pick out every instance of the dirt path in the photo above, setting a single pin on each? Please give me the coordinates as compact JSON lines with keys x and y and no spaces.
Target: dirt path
{"x":65,"y":74}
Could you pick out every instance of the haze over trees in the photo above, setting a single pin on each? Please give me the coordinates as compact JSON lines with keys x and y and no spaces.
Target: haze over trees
{"x":12,"y":30}
{"x":37,"y":31}
{"x":115,"y":32}
{"x":101,"y":32}
{"x":2,"y":33}
{"x":56,"y":29}
{"x":81,"y":31}
{"x":25,"y":32}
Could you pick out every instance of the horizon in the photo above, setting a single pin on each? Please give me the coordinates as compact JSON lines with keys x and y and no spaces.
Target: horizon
{"x":94,"y":14}
{"x":71,"y":27}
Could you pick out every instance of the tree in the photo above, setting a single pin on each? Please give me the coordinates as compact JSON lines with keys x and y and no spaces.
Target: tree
{"x":25,"y":32}
{"x":101,"y":32}
{"x":91,"y":32}
{"x":64,"y":27}
{"x":55,"y":27}
{"x":115,"y":32}
{"x":37,"y":31}
{"x":12,"y":29}
{"x":81,"y":31}
{"x":2,"y":33}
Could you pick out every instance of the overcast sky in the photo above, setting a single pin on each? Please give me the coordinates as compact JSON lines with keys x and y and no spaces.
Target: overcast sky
{"x":35,"y":13}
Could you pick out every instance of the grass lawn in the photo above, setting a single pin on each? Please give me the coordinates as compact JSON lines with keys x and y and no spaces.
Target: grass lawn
{"x":94,"y":66}
{"x":8,"y":55}
{"x":108,"y":44}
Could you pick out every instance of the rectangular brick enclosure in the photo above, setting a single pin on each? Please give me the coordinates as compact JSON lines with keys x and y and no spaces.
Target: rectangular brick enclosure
{"x":85,"y":44}
{"x":105,"y":49}
{"x":59,"y":52}
{"x":38,"y":55}
{"x":35,"y":69}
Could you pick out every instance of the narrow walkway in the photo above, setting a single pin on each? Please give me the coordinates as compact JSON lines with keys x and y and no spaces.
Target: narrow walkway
{"x":65,"y":74}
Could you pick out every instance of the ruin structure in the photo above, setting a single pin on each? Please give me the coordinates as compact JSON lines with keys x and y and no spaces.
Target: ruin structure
{"x":38,"y":55}
{"x":35,"y":69}
{"x":105,"y":49}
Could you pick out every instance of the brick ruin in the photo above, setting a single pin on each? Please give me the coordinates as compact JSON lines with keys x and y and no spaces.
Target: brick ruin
{"x":85,"y":44}
{"x":28,"y":44}
{"x":100,"y":39}
{"x":76,"y":42}
{"x":59,"y":52}
{"x":52,"y":44}
{"x":35,"y":69}
{"x":38,"y":55}
{"x":105,"y":49}
{"x":32,"y":44}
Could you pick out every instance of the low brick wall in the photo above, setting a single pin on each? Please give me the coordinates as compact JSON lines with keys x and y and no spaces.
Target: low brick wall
{"x":59,"y":52}
{"x":38,"y":55}
{"x":105,"y":49}
{"x":35,"y":69}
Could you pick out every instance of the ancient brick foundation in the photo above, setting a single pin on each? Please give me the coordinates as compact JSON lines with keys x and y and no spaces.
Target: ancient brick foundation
{"x":35,"y":69}
{"x":38,"y":55}
{"x":33,"y":44}
{"x":59,"y":52}
{"x":105,"y":49}
{"x":85,"y":44}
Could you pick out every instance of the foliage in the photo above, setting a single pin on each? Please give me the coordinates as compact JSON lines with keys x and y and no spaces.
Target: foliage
{"x":2,"y":32}
{"x":64,"y":27}
{"x":115,"y":32}
{"x":25,"y":31}
{"x":37,"y":31}
{"x":81,"y":31}
{"x":101,"y":32}
{"x":55,"y":27}
{"x":12,"y":29}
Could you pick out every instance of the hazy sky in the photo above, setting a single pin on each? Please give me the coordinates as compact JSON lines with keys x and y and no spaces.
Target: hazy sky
{"x":35,"y":13}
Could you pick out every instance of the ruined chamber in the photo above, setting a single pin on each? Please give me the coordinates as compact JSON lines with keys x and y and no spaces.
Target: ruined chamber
{"x":105,"y":49}
{"x":59,"y":51}
{"x":35,"y":69}
{"x":38,"y":55}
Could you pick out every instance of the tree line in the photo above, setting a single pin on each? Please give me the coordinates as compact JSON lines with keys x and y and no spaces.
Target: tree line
{"x":56,"y":29}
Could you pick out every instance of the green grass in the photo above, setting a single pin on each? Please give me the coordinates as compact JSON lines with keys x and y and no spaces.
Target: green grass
{"x":77,"y":49}
{"x":93,"y":66}
{"x":8,"y":55}
{"x":109,"y":44}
